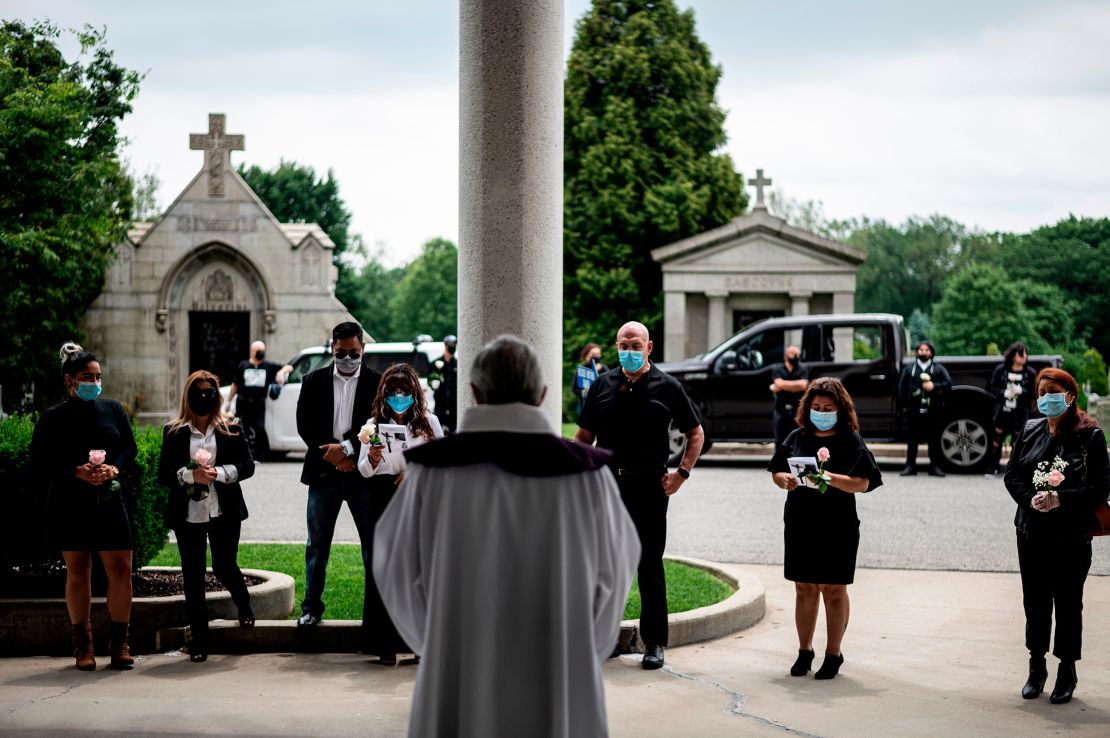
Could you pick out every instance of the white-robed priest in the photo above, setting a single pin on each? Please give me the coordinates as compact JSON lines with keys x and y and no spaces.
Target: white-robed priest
{"x":504,"y":560}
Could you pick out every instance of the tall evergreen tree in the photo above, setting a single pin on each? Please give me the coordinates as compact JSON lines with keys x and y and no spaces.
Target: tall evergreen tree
{"x":643,"y":167}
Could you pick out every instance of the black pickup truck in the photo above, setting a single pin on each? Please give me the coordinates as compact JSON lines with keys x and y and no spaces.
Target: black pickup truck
{"x":731,"y":383}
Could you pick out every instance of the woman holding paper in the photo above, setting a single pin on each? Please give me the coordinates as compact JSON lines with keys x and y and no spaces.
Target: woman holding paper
{"x":205,"y":456}
{"x":401,"y":421}
{"x":822,"y":464}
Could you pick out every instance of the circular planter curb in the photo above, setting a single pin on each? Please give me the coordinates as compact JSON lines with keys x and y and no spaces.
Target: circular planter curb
{"x":741,"y":610}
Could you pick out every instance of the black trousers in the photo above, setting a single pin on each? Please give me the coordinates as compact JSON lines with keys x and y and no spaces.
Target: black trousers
{"x":1011,"y":425}
{"x":1052,"y":575}
{"x":253,"y":416}
{"x":192,"y":541}
{"x":784,"y":422}
{"x":646,"y":503}
{"x":379,"y":635}
{"x":922,"y":427}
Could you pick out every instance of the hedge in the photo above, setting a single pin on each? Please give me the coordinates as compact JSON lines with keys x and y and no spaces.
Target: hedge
{"x":25,"y":545}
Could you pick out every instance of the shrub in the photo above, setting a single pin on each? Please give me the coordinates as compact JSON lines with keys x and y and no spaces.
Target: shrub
{"x":25,"y":535}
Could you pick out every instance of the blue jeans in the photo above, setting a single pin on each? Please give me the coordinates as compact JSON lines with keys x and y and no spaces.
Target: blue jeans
{"x":323,"y":510}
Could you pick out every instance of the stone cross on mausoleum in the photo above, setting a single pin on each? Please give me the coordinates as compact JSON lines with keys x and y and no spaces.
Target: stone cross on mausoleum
{"x":759,"y":183}
{"x":217,"y":147}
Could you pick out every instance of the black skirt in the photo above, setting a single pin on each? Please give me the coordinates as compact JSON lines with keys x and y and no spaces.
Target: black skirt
{"x":83,"y":522}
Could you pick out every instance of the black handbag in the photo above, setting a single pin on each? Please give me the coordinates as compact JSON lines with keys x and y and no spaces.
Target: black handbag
{"x":1099,"y":523}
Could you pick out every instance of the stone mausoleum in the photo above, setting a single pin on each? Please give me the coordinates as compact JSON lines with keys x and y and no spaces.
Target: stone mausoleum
{"x":754,"y":267}
{"x":194,"y":288}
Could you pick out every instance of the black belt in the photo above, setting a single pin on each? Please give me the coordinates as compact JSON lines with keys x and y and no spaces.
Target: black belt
{"x":660,"y":470}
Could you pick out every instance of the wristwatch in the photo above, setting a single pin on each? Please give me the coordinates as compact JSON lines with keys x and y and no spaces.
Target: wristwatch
{"x":683,"y":473}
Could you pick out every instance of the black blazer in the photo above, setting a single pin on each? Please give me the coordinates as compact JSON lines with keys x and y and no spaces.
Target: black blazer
{"x":315,"y":408}
{"x":230,"y":451}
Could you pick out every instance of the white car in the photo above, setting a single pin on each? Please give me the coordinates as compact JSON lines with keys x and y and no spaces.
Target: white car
{"x":281,"y":414}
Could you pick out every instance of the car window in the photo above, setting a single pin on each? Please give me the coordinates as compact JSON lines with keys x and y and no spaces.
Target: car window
{"x":762,"y":349}
{"x":385,"y":359}
{"x":847,"y":343}
{"x":867,"y":342}
{"x":306,"y":363}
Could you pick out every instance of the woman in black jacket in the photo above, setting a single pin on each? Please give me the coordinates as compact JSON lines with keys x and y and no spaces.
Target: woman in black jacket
{"x":204,"y":457}
{"x":1058,"y":472}
{"x":78,"y":450}
{"x":1012,"y":387}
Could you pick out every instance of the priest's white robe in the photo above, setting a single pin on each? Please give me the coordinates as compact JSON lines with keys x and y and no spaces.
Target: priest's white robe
{"x":504,"y":560}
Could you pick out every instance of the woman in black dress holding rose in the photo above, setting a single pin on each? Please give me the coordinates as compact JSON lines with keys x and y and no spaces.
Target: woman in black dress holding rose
{"x":79,"y":450}
{"x":822,"y":529}
{"x":205,"y":456}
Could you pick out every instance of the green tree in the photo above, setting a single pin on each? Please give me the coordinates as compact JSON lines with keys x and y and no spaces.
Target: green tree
{"x":981,"y":306}
{"x":919,"y":327}
{"x":642,"y":167}
{"x":65,"y":198}
{"x":425,"y":300}
{"x":369,"y":292}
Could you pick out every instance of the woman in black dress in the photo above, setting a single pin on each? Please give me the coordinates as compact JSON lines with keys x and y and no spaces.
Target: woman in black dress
{"x":1012,"y":386}
{"x":79,"y":449}
{"x":204,"y":457}
{"x":822,"y":530}
{"x":400,"y":401}
{"x":1053,"y":515}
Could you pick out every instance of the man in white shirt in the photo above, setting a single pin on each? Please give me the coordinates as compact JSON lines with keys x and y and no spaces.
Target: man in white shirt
{"x":502,"y":535}
{"x":334,"y":403}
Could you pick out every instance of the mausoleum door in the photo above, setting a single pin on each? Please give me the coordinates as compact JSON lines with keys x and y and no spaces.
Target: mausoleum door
{"x":218,"y":341}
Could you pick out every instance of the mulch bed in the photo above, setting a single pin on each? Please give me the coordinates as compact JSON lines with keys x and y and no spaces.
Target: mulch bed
{"x":143,"y":584}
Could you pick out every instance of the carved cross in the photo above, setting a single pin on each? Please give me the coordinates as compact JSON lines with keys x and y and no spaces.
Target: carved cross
{"x":759,"y":183}
{"x":216,"y":146}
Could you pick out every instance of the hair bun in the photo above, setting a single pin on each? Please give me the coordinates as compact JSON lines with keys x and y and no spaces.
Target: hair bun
{"x":68,"y":350}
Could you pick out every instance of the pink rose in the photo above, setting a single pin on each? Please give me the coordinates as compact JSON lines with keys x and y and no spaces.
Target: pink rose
{"x":202,"y":457}
{"x":1055,"y":477}
{"x":822,"y":454}
{"x":97,"y":457}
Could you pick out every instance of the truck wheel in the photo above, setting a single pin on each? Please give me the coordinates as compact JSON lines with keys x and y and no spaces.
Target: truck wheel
{"x":964,"y":443}
{"x":678,"y":446}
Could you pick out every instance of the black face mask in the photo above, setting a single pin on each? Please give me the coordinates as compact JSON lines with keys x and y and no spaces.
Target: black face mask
{"x":259,"y":355}
{"x":203,"y":401}
{"x":792,"y":359}
{"x":923,"y":357}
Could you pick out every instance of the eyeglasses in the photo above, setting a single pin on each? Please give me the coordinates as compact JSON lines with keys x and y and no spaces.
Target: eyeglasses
{"x":344,"y":353}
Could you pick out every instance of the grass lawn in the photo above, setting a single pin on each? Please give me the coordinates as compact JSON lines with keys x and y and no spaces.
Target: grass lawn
{"x":687,"y":587}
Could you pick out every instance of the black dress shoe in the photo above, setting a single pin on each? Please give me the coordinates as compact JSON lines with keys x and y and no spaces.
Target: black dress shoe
{"x":802,"y":666}
{"x":308,"y":619}
{"x":1038,"y":675}
{"x":909,"y":471}
{"x":653,"y":657}
{"x":1066,"y":679}
{"x":246,"y":619}
{"x":830,"y":667}
{"x":935,"y":472}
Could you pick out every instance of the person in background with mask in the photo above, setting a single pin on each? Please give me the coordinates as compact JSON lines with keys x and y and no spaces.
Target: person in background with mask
{"x":789,"y":381}
{"x":586,"y":373}
{"x":1053,"y":520}
{"x":921,"y":389}
{"x":822,"y":528}
{"x":400,"y":401}
{"x":205,"y":456}
{"x":82,"y":451}
{"x":630,"y":412}
{"x":334,"y":402}
{"x":1012,"y":387}
{"x":447,"y":393}
{"x":252,"y":382}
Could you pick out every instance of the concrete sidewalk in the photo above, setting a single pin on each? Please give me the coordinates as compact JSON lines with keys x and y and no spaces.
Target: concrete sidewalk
{"x":927,"y":654}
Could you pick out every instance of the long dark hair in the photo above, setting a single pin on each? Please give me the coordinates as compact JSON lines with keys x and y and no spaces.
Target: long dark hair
{"x":404,"y":374}
{"x":832,"y":388}
{"x":1017,"y":347}
{"x":1073,"y":418}
{"x":585,"y":355}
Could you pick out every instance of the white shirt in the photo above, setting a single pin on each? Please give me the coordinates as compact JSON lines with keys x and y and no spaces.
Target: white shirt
{"x":201,"y":511}
{"x":472,"y":561}
{"x":343,"y":405}
{"x":394,"y":463}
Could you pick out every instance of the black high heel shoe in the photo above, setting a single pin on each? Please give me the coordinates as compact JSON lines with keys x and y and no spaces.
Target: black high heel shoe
{"x":1038,"y":675}
{"x":246,"y":621}
{"x":802,"y":666}
{"x":1066,"y":681}
{"x":830,"y":667}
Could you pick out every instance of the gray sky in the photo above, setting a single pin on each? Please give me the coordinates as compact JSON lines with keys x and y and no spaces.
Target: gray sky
{"x":993,"y":112}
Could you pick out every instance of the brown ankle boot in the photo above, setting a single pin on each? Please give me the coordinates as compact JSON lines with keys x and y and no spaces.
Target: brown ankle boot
{"x":118,"y":648}
{"x":83,"y":646}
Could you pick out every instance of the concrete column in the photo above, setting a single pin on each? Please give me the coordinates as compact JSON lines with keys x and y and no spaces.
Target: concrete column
{"x":844,"y":302}
{"x":511,"y":182}
{"x":674,"y":326}
{"x":799,"y":303}
{"x":718,"y":318}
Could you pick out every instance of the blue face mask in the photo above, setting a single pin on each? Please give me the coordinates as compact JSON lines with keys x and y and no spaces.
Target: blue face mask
{"x":399,"y":403}
{"x":822,"y":421}
{"x":632,"y":361}
{"x":1052,"y":405}
{"x":88,"y":391}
